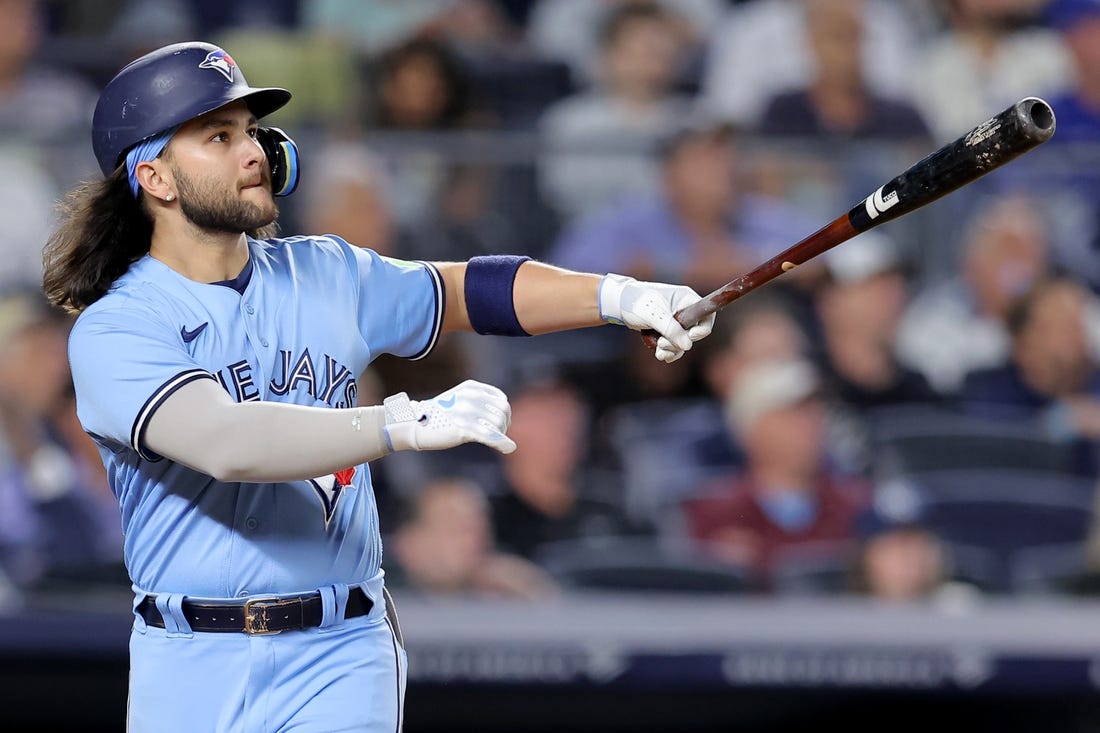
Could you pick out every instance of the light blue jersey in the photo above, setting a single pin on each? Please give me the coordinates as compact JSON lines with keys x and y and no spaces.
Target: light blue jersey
{"x":314,"y":313}
{"x":303,"y":320}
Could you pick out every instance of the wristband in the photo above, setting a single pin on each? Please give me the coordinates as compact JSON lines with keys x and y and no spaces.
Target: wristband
{"x":488,"y":288}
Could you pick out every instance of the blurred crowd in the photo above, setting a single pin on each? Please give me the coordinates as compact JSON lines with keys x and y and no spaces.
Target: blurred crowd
{"x":914,"y":415}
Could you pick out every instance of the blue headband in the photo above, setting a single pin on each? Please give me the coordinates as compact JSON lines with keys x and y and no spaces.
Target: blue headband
{"x":146,"y":150}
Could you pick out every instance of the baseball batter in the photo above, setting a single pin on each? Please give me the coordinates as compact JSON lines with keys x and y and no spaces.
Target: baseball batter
{"x":215,"y":367}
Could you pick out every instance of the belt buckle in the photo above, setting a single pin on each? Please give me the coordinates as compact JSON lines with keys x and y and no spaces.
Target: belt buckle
{"x":255,"y":615}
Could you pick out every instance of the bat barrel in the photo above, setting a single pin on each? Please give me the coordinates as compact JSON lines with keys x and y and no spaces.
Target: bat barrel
{"x":1019,"y":128}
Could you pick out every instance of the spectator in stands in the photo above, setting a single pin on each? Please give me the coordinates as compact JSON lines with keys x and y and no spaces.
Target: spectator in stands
{"x":899,"y":558}
{"x":762,"y":49}
{"x":838,"y":103}
{"x":445,"y":547}
{"x":568,"y":30}
{"x":786,"y":496}
{"x":1052,"y":376}
{"x":58,"y":515}
{"x":957,"y":325}
{"x":860,"y":305}
{"x":698,"y":229}
{"x":545,"y":494}
{"x":987,"y":58}
{"x":422,"y":85}
{"x":597,"y":144}
{"x":899,"y":563}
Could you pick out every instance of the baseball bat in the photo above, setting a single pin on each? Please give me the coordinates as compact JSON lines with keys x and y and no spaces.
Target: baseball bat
{"x":1023,"y":126}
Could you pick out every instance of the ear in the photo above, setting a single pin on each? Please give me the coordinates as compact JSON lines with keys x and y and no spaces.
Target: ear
{"x":155,"y":180}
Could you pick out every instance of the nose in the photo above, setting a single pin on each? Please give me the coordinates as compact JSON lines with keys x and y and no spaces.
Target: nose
{"x":254,"y":153}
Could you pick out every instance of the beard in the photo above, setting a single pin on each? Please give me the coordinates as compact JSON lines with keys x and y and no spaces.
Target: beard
{"x":210,"y":207}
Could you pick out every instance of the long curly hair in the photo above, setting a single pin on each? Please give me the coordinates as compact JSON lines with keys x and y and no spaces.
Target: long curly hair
{"x":103,"y":229}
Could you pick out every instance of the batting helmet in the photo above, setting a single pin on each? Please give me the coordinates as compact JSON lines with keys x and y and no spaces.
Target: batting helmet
{"x":168,"y":87}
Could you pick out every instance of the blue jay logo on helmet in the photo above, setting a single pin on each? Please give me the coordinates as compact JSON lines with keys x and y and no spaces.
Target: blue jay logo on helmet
{"x":221,"y":62}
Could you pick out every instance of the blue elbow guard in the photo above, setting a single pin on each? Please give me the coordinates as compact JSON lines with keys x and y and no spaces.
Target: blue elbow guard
{"x":488,"y":289}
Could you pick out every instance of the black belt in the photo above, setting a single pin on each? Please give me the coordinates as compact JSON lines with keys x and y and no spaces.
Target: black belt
{"x":257,"y":615}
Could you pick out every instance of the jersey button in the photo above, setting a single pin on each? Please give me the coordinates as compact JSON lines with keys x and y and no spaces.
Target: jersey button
{"x":252,"y":523}
{"x":263,"y":342}
{"x":243,"y":594}
{"x":249,"y":309}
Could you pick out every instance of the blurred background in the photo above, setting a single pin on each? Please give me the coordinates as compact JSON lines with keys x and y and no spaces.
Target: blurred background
{"x":869,"y":499}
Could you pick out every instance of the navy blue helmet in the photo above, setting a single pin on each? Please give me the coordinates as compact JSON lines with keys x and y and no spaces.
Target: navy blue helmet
{"x":168,"y":87}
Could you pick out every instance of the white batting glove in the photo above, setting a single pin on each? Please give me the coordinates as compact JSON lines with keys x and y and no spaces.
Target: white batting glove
{"x":472,"y":412}
{"x":644,"y":305}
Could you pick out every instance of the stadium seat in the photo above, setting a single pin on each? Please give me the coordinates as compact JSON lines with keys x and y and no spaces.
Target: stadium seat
{"x":915,"y":438}
{"x":1054,"y":569}
{"x":633,"y":564}
{"x":815,"y":568}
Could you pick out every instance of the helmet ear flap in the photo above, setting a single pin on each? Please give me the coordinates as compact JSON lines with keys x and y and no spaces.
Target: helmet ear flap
{"x":282,"y":157}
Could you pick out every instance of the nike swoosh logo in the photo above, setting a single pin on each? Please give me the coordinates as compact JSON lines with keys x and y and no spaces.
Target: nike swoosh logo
{"x":447,"y":403}
{"x":189,"y":336}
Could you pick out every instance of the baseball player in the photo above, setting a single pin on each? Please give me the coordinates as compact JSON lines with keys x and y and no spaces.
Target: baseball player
{"x":215,"y":368}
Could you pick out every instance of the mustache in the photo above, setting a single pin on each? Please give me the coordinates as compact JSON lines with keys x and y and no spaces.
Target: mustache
{"x":263,"y":179}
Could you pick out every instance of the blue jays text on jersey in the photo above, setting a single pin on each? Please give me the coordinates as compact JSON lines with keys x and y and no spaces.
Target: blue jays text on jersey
{"x":328,"y":381}
{"x":299,"y":325}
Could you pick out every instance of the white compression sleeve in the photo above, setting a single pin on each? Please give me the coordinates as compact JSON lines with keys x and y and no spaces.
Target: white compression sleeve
{"x":201,"y":427}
